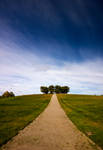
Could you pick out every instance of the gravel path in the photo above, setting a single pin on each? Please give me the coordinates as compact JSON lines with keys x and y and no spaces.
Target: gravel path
{"x":52,"y":130}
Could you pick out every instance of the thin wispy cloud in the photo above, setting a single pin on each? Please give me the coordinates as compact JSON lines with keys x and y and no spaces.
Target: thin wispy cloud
{"x":25,"y":73}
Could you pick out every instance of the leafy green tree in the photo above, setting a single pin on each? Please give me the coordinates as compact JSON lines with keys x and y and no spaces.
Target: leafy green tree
{"x":51,"y":89}
{"x":8,"y":94}
{"x":57,"y":89}
{"x":12,"y":94}
{"x":65,"y":89}
{"x":44,"y":89}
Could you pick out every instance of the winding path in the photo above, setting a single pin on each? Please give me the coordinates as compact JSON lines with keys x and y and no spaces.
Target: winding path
{"x":52,"y":130}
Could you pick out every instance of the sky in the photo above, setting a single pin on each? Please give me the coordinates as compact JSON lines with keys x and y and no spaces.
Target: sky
{"x":44,"y":42}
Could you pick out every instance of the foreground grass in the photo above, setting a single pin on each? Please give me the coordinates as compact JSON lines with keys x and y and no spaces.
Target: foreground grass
{"x":86,"y":112}
{"x":17,"y":112}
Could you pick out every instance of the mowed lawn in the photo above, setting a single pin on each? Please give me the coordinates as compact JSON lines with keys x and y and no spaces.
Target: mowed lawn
{"x":86,"y":112}
{"x":17,"y":112}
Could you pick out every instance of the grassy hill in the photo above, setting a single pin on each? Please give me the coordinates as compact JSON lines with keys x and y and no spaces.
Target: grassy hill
{"x":17,"y":112}
{"x":87,"y":114}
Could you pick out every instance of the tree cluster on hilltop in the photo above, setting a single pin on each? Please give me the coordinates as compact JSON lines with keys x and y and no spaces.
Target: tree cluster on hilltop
{"x":8,"y":94}
{"x":54,"y":89}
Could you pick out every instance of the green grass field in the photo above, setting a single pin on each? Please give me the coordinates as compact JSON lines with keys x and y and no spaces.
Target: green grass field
{"x":17,"y":112}
{"x":86,"y":112}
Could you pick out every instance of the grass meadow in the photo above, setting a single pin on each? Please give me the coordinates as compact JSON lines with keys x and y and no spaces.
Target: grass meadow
{"x":19,"y":111}
{"x":86,"y":112}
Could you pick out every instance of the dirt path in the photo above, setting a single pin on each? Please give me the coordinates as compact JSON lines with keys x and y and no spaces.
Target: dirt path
{"x":52,"y":130}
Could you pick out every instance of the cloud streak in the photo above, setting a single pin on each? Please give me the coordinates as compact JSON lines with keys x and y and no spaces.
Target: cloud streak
{"x":25,"y":72}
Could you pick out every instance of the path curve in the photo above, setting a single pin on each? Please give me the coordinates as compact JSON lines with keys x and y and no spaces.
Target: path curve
{"x":52,"y":130}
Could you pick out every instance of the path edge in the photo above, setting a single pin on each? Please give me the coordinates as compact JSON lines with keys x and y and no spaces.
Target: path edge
{"x":20,"y":131}
{"x":92,"y":143}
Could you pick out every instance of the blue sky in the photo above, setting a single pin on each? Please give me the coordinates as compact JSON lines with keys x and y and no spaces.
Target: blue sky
{"x":45,"y":42}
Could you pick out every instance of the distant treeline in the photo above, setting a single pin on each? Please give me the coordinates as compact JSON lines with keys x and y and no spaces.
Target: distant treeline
{"x":54,"y":89}
{"x":44,"y":89}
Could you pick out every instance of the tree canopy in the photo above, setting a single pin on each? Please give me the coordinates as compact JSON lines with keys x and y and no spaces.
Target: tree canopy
{"x":8,"y":94}
{"x":51,"y":89}
{"x":54,"y":89}
{"x":44,"y":89}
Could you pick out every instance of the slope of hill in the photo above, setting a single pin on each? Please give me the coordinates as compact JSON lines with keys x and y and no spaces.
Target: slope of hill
{"x":86,"y":112}
{"x":17,"y":112}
